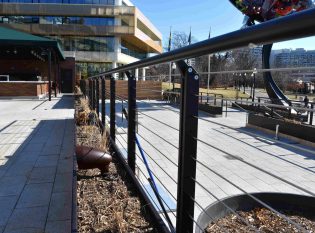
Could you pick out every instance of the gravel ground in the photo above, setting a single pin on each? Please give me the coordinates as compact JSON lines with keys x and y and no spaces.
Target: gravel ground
{"x":262,"y":220}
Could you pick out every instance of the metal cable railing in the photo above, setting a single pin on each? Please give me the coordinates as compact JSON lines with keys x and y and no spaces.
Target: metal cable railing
{"x":196,"y":164}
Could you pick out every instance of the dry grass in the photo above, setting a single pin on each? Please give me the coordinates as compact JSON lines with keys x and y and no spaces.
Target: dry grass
{"x":106,"y":203}
{"x":227,"y":93}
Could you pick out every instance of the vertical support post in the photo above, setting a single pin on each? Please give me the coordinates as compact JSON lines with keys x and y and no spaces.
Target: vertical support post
{"x":215,"y":99}
{"x":254,"y":87}
{"x":97,"y":82}
{"x":90,"y":93}
{"x":112,"y":108}
{"x":131,"y":121}
{"x":188,"y":148}
{"x":49,"y":75}
{"x":94,"y":95}
{"x":207,"y":97}
{"x":258,"y":102}
{"x":312,"y":114}
{"x":103,"y":102}
{"x":55,"y":75}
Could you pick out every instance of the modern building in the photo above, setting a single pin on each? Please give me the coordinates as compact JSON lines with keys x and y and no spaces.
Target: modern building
{"x":293,"y":58}
{"x":99,"y":34}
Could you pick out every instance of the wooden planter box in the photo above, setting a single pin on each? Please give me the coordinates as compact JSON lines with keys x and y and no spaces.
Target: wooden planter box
{"x":305,"y":132}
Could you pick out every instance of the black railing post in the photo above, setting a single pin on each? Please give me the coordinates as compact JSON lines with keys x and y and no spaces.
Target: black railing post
{"x":215,"y":99}
{"x":94,"y":94}
{"x":312,"y":114}
{"x":97,"y":102}
{"x":49,"y":74}
{"x":112,"y":108}
{"x":103,"y":103}
{"x":131,"y":121}
{"x":91,"y":93}
{"x":187,"y":148}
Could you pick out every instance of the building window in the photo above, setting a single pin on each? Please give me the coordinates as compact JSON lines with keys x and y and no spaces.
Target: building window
{"x":88,"y":44}
{"x":91,"y":21}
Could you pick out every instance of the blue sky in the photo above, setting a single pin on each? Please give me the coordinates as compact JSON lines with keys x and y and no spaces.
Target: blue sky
{"x":200,"y":15}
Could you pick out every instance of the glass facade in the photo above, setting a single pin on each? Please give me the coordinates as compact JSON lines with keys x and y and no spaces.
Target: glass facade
{"x":92,"y":44}
{"x":102,"y":2}
{"x":132,"y":51}
{"x":90,"y":68}
{"x":110,"y":21}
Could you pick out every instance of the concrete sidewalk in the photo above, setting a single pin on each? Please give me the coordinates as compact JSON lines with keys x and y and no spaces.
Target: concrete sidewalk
{"x":36,"y":165}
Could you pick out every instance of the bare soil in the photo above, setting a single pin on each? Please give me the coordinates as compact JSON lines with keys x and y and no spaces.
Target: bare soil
{"x":262,"y":220}
{"x":106,"y":202}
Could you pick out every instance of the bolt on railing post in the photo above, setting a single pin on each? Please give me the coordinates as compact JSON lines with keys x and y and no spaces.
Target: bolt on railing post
{"x":112,"y":108}
{"x":97,"y":81}
{"x":103,"y":102}
{"x":131,"y":121}
{"x":312,"y":114}
{"x":187,"y":148}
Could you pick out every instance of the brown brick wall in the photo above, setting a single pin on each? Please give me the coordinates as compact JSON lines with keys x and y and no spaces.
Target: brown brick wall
{"x":145,"y":89}
{"x":22,"y":89}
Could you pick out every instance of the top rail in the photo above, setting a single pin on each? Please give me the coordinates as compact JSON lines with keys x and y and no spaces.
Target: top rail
{"x":290,"y":27}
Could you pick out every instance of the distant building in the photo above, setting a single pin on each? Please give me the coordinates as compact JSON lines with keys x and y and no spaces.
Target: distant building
{"x":99,"y":34}
{"x":293,"y":58}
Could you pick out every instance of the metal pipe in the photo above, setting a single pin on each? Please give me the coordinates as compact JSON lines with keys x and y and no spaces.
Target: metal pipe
{"x":112,"y":109}
{"x":188,"y":148}
{"x":103,"y":102}
{"x":290,"y":27}
{"x":311,"y":114}
{"x":277,"y":132}
{"x":131,"y":121}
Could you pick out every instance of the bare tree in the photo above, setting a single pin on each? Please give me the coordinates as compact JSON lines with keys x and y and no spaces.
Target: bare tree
{"x":179,"y":40}
{"x":218,"y":62}
{"x":244,"y":59}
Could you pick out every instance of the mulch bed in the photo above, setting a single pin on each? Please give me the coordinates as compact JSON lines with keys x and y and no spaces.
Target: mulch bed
{"x":106,"y":202}
{"x":262,"y":220}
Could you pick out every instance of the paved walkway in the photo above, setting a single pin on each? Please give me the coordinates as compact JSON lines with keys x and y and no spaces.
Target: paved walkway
{"x":249,"y":159}
{"x":36,"y":165}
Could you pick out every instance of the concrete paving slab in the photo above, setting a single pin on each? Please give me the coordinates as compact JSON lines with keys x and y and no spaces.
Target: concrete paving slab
{"x":42,"y":175}
{"x":7,"y":205}
{"x":33,"y":219}
{"x":35,"y":195}
{"x":47,"y":161}
{"x":58,"y":226}
{"x":60,"y":207}
{"x":31,"y":139}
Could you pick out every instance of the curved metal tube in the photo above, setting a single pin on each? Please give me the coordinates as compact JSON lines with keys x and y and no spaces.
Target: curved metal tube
{"x":273,"y":91}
